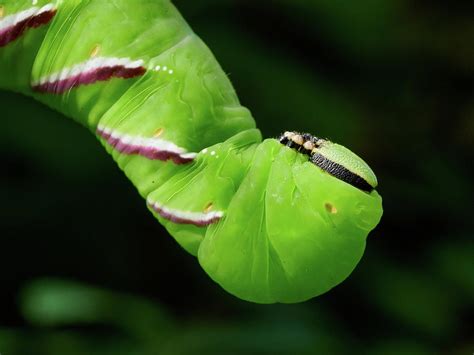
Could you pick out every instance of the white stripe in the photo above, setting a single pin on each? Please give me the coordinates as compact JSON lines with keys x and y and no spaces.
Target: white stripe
{"x":89,"y":66}
{"x":145,"y":142}
{"x":188,"y":155}
{"x":198,"y":217}
{"x":106,"y":130}
{"x":12,"y":20}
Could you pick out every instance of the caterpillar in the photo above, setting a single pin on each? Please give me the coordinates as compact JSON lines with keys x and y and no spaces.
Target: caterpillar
{"x":274,"y":220}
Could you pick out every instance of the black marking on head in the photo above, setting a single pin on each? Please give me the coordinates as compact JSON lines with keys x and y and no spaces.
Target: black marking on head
{"x":291,"y":144}
{"x":335,"y":169}
{"x":283,"y":139}
{"x":340,"y":172}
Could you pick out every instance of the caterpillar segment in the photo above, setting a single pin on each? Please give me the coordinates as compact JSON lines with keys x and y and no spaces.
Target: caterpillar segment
{"x":267,"y":223}
{"x":18,"y":23}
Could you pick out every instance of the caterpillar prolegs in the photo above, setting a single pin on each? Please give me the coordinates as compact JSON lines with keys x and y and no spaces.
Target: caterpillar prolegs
{"x":266,"y":222}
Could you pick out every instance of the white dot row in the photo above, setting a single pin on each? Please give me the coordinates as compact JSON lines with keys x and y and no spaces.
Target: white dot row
{"x":213,"y":152}
{"x":164,"y":68}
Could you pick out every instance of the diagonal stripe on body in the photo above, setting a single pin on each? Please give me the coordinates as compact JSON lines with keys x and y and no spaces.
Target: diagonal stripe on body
{"x":15,"y":25}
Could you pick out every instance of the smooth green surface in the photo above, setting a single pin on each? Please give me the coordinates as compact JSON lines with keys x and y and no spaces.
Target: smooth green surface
{"x":291,"y":231}
{"x":387,"y":79}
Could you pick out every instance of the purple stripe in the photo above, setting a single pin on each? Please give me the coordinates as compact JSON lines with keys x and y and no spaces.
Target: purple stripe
{"x":89,"y":77}
{"x":179,"y":220}
{"x":13,"y":32}
{"x":152,"y":153}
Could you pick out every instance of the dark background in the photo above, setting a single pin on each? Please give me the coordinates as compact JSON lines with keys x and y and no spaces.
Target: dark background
{"x":86,"y":269}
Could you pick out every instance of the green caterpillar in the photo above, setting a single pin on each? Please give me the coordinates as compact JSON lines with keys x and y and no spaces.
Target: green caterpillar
{"x":279,"y":220}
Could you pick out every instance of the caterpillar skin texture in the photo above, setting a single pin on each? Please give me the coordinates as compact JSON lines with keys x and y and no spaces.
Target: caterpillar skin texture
{"x":265,"y":223}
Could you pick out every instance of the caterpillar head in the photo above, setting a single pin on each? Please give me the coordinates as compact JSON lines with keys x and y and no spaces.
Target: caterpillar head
{"x":333,"y":158}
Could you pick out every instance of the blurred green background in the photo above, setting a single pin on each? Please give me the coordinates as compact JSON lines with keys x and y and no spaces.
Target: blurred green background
{"x":86,"y":269}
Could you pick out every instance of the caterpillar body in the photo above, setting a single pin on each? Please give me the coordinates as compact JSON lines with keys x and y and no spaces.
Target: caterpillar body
{"x":266,"y":222}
